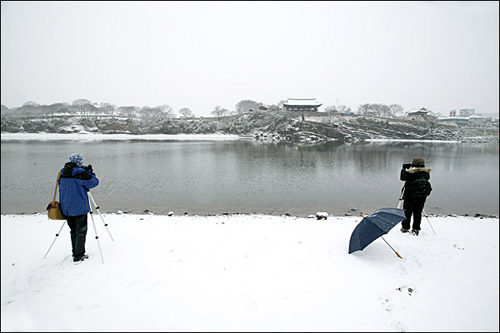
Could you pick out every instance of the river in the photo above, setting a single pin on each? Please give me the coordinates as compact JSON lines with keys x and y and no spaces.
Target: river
{"x":245,"y":176}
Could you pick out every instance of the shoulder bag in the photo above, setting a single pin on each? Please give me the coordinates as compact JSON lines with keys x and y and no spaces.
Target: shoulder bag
{"x":53,"y":208}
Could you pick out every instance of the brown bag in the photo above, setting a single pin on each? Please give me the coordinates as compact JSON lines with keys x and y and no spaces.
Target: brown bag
{"x":54,"y":209}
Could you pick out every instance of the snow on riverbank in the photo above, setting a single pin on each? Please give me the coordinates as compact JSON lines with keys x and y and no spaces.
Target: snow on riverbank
{"x":118,"y":137}
{"x":248,"y":273}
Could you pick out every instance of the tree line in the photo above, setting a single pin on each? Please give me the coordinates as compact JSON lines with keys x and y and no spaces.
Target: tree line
{"x":87,"y":109}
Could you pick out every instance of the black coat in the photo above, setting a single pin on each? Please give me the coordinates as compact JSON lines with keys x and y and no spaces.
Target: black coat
{"x":409,"y":176}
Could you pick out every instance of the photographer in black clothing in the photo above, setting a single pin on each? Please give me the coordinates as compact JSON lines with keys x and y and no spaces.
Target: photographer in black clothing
{"x":416,"y":190}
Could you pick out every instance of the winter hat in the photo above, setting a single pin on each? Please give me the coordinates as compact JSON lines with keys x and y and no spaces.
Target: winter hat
{"x":418,"y":162}
{"x":76,"y":158}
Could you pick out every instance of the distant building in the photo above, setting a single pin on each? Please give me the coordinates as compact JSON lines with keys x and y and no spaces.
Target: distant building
{"x":453,"y":113}
{"x":458,"y":121}
{"x":466,"y":112}
{"x":473,"y":120}
{"x":422,"y":114}
{"x":301,"y":104}
{"x":478,"y":121}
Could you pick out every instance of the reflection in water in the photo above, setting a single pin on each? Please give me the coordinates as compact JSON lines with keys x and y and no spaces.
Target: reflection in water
{"x":251,"y":177}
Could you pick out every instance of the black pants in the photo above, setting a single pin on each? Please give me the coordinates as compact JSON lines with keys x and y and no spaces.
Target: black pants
{"x":78,"y":226}
{"x":415,"y":208}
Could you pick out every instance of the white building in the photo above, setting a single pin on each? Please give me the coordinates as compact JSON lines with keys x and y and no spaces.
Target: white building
{"x":466,"y":112}
{"x":469,"y":121}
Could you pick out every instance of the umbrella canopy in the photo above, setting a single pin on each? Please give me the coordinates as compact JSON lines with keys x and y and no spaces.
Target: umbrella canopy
{"x":373,"y":226}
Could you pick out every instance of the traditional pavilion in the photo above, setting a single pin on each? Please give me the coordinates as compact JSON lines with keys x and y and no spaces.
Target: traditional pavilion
{"x":421,"y":114}
{"x":302,"y":104}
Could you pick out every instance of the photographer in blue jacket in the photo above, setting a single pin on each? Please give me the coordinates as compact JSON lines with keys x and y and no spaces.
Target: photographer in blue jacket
{"x":76,"y":180}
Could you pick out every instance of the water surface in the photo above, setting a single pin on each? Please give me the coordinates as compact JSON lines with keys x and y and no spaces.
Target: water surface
{"x":245,"y":176}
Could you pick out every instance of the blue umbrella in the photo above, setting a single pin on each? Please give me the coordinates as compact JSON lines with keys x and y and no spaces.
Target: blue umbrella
{"x":373,"y":226}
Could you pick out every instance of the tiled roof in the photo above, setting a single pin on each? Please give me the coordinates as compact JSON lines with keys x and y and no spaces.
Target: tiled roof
{"x":302,"y":102}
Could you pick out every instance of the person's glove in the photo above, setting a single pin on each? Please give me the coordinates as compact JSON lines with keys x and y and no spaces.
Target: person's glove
{"x":406,"y":165}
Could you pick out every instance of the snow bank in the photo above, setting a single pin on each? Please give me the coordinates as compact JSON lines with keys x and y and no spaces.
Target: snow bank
{"x":248,"y":273}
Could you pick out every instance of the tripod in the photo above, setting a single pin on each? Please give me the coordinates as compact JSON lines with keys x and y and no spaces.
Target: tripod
{"x":91,"y":201}
{"x":91,"y":198}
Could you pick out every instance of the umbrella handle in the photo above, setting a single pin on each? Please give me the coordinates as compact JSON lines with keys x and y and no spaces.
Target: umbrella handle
{"x":392,"y":248}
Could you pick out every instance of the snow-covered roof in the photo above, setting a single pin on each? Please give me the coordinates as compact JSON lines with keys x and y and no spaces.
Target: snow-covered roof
{"x":475,"y":116}
{"x":302,"y":102}
{"x":452,"y":118}
{"x":422,"y":110}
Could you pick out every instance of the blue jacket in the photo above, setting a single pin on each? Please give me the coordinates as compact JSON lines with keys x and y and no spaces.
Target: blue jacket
{"x":73,"y":186}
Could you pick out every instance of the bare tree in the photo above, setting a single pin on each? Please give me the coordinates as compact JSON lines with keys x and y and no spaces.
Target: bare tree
{"x":219,"y":111}
{"x":31,"y":103}
{"x":186,"y":113}
{"x":166,"y":111}
{"x":331,"y":109}
{"x":384,"y":110}
{"x":247,"y":104}
{"x":128,"y":111}
{"x":395,"y":109}
{"x":150,"y":114}
{"x":375,"y":109}
{"x":108,"y":108}
{"x":343,"y":108}
{"x":364,"y":109}
{"x":81,"y":101}
{"x":87,"y":110}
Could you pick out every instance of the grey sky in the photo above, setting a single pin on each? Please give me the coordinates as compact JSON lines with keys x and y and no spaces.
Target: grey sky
{"x":438,"y":55}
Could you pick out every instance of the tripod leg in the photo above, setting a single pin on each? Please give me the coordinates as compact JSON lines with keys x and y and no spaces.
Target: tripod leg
{"x":57,"y":235}
{"x":428,"y":221}
{"x":95,"y":231}
{"x":100,"y":215}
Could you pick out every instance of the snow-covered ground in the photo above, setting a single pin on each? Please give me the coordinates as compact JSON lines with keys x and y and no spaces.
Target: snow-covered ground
{"x":248,"y":273}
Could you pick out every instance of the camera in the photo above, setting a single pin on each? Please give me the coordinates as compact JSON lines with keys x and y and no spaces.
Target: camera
{"x":407,"y":165}
{"x":87,"y":168}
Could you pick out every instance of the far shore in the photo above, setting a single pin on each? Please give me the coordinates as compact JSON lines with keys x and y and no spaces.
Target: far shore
{"x":87,"y":136}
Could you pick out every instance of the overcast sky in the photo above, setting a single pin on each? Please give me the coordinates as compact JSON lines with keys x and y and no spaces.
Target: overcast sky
{"x":438,"y":55}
